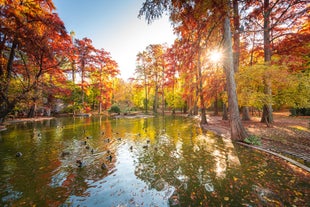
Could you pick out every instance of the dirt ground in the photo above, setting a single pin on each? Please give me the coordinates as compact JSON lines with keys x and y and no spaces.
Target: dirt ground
{"x":289,"y":136}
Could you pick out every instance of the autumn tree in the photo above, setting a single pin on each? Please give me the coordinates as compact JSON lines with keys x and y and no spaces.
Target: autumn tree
{"x":287,"y":74}
{"x":32,"y":41}
{"x":123,"y":94}
{"x":142,"y":76}
{"x":171,"y":80}
{"x":215,"y":10}
{"x":85,"y":61}
{"x":106,"y":69}
{"x":156,"y":68}
{"x":275,"y":20}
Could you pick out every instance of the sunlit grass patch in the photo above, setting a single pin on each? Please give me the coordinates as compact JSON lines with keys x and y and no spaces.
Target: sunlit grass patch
{"x":301,"y":128}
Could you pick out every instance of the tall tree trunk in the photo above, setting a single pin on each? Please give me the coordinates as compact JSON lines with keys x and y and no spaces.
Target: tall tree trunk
{"x":203,"y":119}
{"x":245,"y":113}
{"x":82,"y":79}
{"x":236,"y":50}
{"x":6,"y":106}
{"x":145,"y":102}
{"x":238,"y":132}
{"x":173,"y":101}
{"x":32,"y":109}
{"x":236,"y":36}
{"x":73,"y":71}
{"x":195,"y":107}
{"x":100,"y":107}
{"x":225,"y":112}
{"x":163,"y":90}
{"x":10,"y":67}
{"x":155,"y":104}
{"x":267,"y":116}
{"x":216,"y":108}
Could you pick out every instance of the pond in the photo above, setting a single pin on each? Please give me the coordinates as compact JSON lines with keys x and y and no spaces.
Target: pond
{"x":145,"y":161}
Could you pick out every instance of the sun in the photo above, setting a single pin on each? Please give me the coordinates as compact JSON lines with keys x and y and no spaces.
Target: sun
{"x":215,"y":56}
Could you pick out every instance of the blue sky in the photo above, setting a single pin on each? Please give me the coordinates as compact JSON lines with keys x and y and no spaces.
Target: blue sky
{"x":114,"y":26}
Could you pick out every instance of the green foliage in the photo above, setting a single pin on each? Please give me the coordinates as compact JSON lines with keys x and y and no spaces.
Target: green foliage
{"x":250,"y":86}
{"x":115,"y":109}
{"x":288,"y":89}
{"x":253,"y":140}
{"x":71,"y":108}
{"x":174,"y":99}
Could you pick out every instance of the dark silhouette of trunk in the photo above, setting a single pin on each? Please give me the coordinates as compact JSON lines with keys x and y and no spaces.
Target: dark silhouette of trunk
{"x":236,"y":50}
{"x":225,"y":112}
{"x":6,"y":110}
{"x":31,"y":112}
{"x":155,"y":103}
{"x":32,"y":109}
{"x":145,"y":91}
{"x":195,"y":109}
{"x":7,"y":105}
{"x":236,"y":36}
{"x":245,"y":113}
{"x":216,"y":108}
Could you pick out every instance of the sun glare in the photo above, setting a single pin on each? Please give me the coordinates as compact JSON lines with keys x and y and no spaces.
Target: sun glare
{"x":215,"y":56}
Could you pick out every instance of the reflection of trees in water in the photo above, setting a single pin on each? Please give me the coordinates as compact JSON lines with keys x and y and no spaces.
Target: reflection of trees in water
{"x":194,"y":164}
{"x":86,"y":144}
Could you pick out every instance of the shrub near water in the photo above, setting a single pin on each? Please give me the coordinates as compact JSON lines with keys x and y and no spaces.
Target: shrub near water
{"x":253,"y":140}
{"x":115,"y":109}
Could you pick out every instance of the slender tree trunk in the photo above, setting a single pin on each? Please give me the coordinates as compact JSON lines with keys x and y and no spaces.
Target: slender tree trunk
{"x":100,"y":107}
{"x":173,"y":98}
{"x":163,"y":90}
{"x":82,"y":79}
{"x":236,"y":50}
{"x":6,"y":105}
{"x":245,"y":113}
{"x":267,"y":116}
{"x":203,"y":119}
{"x":155,"y":104}
{"x":10,"y":67}
{"x":236,"y":36}
{"x":216,"y":108}
{"x":225,"y":112}
{"x":73,"y":71}
{"x":195,"y":107}
{"x":32,"y":109}
{"x":146,"y":95}
{"x":238,"y":132}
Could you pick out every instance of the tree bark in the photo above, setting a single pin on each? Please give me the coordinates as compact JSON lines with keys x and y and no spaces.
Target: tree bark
{"x":145,"y":91}
{"x":225,"y":112}
{"x":155,"y":103}
{"x":238,"y":132}
{"x":267,"y":116}
{"x":203,"y":119}
{"x":245,"y":113}
{"x":236,"y":46}
{"x":216,"y":108}
{"x":236,"y":50}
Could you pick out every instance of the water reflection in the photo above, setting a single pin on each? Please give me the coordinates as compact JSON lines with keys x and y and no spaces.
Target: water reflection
{"x":138,"y":162}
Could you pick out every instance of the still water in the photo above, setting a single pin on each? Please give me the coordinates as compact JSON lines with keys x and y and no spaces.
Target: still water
{"x":146,"y":161}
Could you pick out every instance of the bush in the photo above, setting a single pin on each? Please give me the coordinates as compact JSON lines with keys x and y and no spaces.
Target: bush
{"x":253,"y":140}
{"x":300,"y":111}
{"x":115,"y":109}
